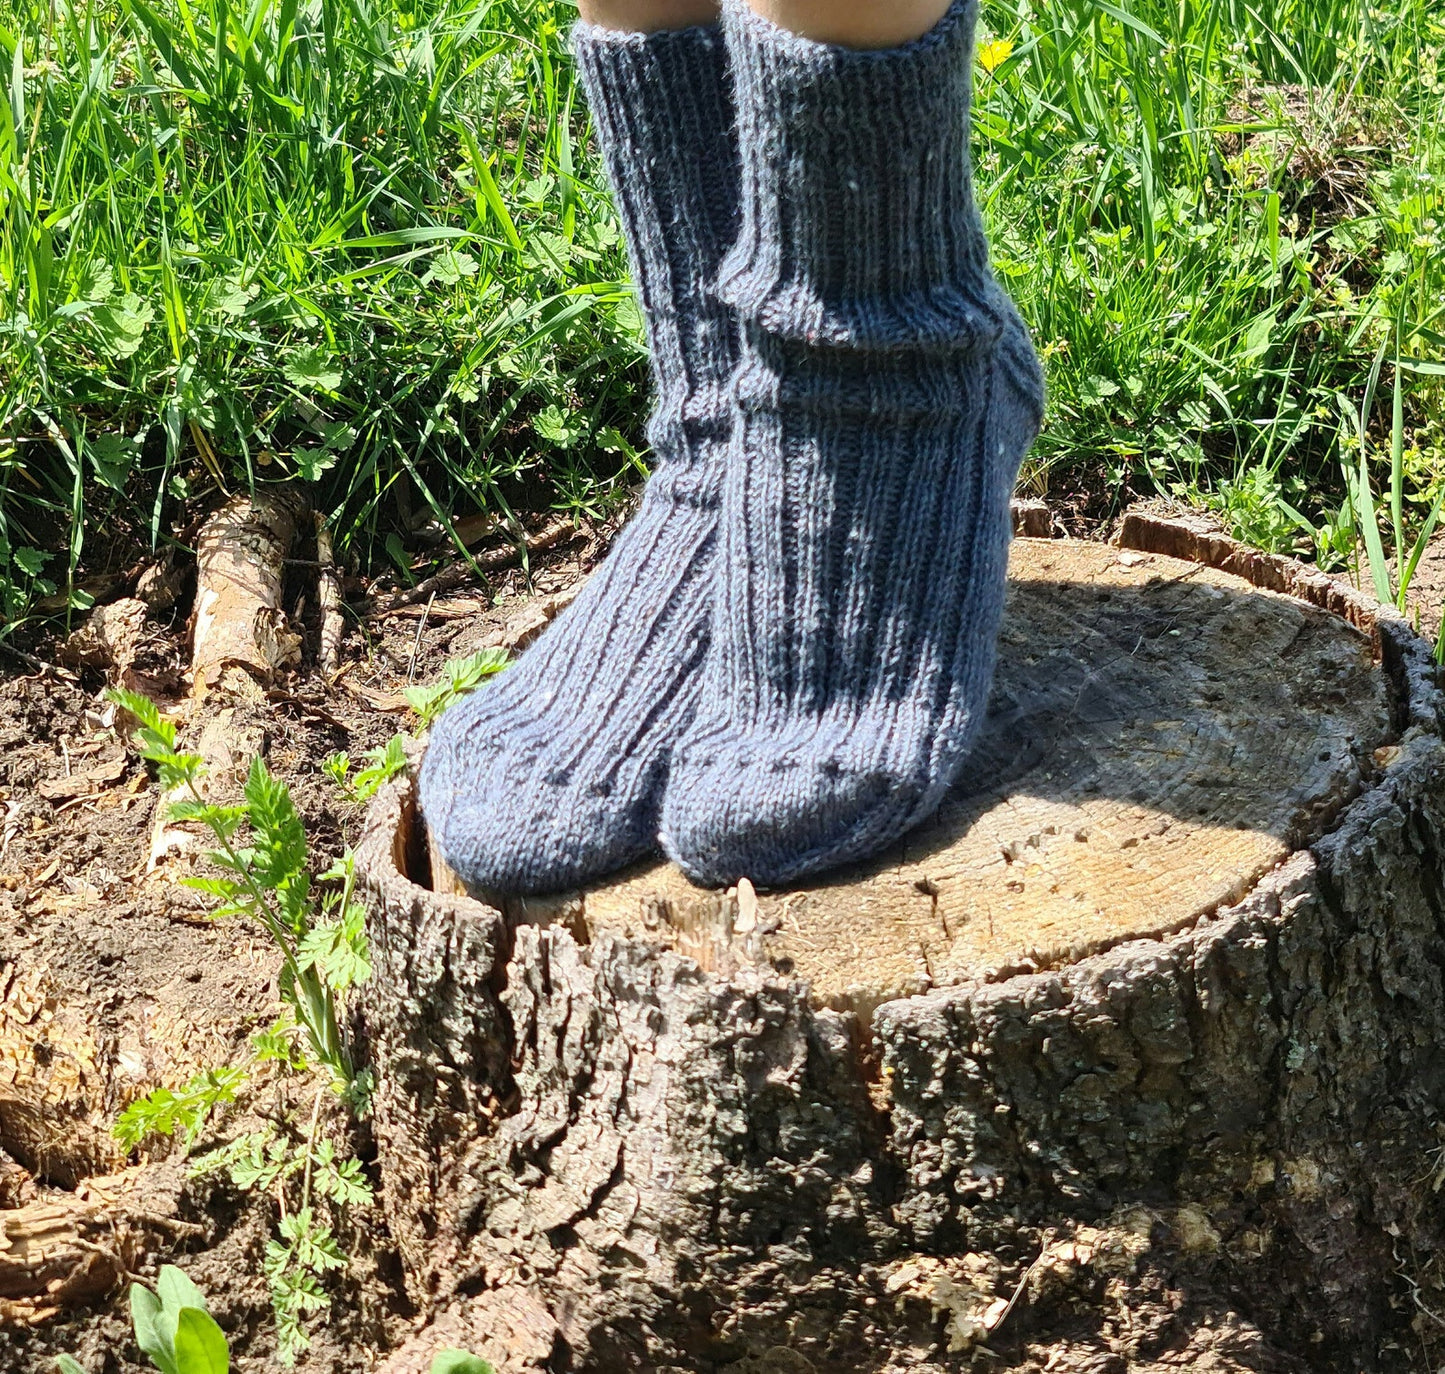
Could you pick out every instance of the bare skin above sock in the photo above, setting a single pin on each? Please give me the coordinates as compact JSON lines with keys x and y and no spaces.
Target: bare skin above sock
{"x":886,"y":394}
{"x":553,"y":775}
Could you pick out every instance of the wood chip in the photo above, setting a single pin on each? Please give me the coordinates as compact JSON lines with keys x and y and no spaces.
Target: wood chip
{"x":83,"y":784}
{"x":375,"y":700}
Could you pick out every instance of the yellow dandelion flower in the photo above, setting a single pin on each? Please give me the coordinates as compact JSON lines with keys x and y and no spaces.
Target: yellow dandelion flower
{"x":993,"y":55}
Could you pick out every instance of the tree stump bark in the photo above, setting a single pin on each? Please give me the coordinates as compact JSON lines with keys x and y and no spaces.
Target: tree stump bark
{"x":1132,"y":1059}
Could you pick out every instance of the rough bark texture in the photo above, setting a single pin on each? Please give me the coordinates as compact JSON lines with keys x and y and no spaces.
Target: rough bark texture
{"x":1213,"y":1149}
{"x":240,"y":637}
{"x":238,"y":627}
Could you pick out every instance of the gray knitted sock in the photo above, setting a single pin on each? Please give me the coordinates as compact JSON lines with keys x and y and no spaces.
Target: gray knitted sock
{"x":553,"y":775}
{"x":886,"y":394}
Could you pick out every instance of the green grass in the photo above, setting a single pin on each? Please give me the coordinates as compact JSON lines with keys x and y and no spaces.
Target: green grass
{"x":1214,"y":213}
{"x":359,"y":242}
{"x":363,"y":243}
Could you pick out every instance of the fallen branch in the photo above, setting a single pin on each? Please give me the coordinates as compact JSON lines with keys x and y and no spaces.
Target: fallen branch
{"x":240,"y":637}
{"x":239,"y":632}
{"x":461,"y":572}
{"x":328,"y":593}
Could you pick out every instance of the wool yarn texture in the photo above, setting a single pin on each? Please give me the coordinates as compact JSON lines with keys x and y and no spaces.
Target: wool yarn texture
{"x":886,"y":393}
{"x":554,"y":774}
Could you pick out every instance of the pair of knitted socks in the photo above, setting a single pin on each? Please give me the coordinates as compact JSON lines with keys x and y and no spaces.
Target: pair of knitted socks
{"x":782,"y":663}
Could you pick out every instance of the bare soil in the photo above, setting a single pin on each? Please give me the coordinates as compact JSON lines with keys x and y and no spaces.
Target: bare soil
{"x":124,"y":953}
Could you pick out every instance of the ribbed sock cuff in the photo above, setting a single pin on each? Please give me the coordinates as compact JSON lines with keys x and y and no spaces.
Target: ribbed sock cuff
{"x":662,"y":104}
{"x":663,"y":112}
{"x":859,"y":224}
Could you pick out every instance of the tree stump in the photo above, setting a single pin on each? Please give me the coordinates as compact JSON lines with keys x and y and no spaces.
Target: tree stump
{"x":1131,"y":1059}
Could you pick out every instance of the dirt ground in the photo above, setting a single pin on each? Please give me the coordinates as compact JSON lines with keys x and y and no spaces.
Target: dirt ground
{"x":120,"y":974}
{"x":113,"y":979}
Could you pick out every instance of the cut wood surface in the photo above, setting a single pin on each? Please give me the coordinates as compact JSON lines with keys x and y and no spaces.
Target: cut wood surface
{"x":1129,"y":1061}
{"x":1161,"y":734}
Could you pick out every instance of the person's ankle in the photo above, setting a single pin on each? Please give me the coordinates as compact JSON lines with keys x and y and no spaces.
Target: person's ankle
{"x":648,"y":16}
{"x":862,"y":24}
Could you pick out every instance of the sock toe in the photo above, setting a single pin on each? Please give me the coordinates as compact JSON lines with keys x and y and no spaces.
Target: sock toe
{"x":740,"y":812}
{"x":521,"y":833}
{"x":550,"y":776}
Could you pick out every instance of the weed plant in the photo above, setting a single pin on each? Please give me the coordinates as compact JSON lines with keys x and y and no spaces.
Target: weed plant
{"x":318,"y":926}
{"x":266,"y":877}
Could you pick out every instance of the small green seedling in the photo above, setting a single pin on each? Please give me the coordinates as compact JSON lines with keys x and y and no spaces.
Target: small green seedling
{"x":459,"y":1362}
{"x":173,"y":1327}
{"x":379,"y":767}
{"x":460,"y":678}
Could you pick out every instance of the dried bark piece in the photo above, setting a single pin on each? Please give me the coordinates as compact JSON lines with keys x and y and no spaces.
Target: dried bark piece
{"x":239,"y":634}
{"x":109,"y":640}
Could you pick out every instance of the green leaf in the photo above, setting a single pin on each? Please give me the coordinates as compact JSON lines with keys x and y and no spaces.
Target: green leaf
{"x":279,"y":855}
{"x":200,"y":1344}
{"x":1258,"y":338}
{"x":277,"y":1044}
{"x":96,"y":282}
{"x":112,"y":456}
{"x":175,"y":1290}
{"x":121,"y":327}
{"x":460,"y":677}
{"x":232,"y":295}
{"x":384,"y":763}
{"x":312,"y":369}
{"x":1131,"y":21}
{"x":487,"y":184}
{"x":145,"y":1320}
{"x":467,"y":674}
{"x":1370,"y":533}
{"x":30,"y":561}
{"x":459,"y":1362}
{"x":345,"y":1184}
{"x":66,"y":1365}
{"x":1096,"y":389}
{"x":450,"y":267}
{"x":312,"y":462}
{"x":186,"y":1110}
{"x":547,"y":252}
{"x":554,"y":425}
{"x":339,"y":950}
{"x":145,"y":711}
{"x":1426,"y":369}
{"x":627,"y":315}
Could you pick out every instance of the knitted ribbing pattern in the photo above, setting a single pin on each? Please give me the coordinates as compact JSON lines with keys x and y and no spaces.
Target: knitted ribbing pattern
{"x":886,"y":394}
{"x":553,"y":774}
